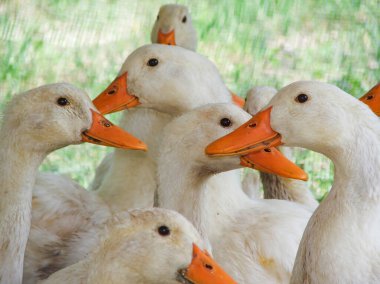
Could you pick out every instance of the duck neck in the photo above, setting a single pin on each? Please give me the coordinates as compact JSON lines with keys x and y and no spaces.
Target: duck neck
{"x":18,"y":167}
{"x":357,"y":174}
{"x":208,"y":200}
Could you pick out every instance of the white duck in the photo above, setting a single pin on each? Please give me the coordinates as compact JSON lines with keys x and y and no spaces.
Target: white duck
{"x":144,"y":246}
{"x":167,"y":81}
{"x":174,"y":26}
{"x":35,"y":123}
{"x":274,"y":186}
{"x":254,"y":240}
{"x":341,"y":241}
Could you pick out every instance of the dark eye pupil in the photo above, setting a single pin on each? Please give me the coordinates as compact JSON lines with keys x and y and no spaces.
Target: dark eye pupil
{"x":62,"y":101}
{"x":225,"y":122}
{"x":301,"y":98}
{"x":152,"y":62}
{"x":184,"y":19}
{"x":164,"y":231}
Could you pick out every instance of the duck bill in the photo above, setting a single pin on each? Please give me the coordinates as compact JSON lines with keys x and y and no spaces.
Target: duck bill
{"x":204,"y":270}
{"x":168,"y":38}
{"x":116,"y":97}
{"x":372,"y":99}
{"x":103,"y":132}
{"x":237,"y":100}
{"x":254,"y":135}
{"x":272,"y":161}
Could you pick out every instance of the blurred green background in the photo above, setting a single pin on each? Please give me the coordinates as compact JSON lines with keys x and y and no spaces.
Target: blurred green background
{"x":252,"y":42}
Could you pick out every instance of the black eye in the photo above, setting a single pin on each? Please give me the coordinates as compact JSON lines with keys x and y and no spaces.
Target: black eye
{"x":152,"y":62}
{"x":184,"y":19}
{"x":301,"y":98}
{"x":225,"y":122}
{"x":62,"y":101}
{"x":163,"y":230}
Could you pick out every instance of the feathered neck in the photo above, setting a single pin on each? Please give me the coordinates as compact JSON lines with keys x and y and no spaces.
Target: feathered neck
{"x":18,"y":167}
{"x":207,"y":199}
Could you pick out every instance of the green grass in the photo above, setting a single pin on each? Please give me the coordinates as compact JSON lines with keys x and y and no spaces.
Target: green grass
{"x":253,"y":42}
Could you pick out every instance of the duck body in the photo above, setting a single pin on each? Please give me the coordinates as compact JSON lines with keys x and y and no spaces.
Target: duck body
{"x":254,"y":240}
{"x":182,"y":82}
{"x":64,"y":219}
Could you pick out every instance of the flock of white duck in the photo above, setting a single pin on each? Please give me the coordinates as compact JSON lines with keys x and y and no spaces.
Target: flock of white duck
{"x":54,"y":231}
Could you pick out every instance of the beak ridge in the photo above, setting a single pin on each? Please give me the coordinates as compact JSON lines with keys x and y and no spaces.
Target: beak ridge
{"x":116,"y":97}
{"x":254,"y":135}
{"x":103,"y":132}
{"x":204,"y":270}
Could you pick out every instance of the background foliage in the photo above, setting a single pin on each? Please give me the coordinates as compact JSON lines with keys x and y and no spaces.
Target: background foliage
{"x":252,"y":42}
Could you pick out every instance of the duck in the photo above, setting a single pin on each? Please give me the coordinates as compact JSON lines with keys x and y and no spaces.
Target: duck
{"x":35,"y":123}
{"x":341,"y":241}
{"x":145,"y":246}
{"x":274,"y":186}
{"x":174,"y":26}
{"x":162,"y":82}
{"x":255,"y":241}
{"x":372,"y":99}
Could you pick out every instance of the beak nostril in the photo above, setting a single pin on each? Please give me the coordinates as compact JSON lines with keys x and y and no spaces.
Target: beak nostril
{"x":112,"y":92}
{"x":252,"y":125}
{"x":209,"y":267}
{"x":267,"y":150}
{"x":370,"y":97}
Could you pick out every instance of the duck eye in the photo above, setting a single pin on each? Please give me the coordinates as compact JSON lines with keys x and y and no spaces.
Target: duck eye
{"x":152,"y":62}
{"x":184,"y":19}
{"x":63,"y":101}
{"x":301,"y":98}
{"x":225,"y":122}
{"x":163,"y":230}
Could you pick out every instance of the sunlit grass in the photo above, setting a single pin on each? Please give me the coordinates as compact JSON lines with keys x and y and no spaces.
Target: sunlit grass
{"x":252,"y":42}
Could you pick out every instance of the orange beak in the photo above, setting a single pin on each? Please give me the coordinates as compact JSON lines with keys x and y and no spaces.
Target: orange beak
{"x":272,"y":161}
{"x":254,"y":135}
{"x":204,"y":270}
{"x":103,"y":132}
{"x":237,"y":100}
{"x":372,"y":99}
{"x":116,"y":97}
{"x":168,"y":38}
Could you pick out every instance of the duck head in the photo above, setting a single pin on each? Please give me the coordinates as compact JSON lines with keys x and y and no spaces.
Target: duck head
{"x":372,"y":99}
{"x":57,"y":115}
{"x":169,"y":79}
{"x":186,"y":137}
{"x":173,"y":26}
{"x":305,"y":114}
{"x":159,"y":244}
{"x":257,"y":98}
